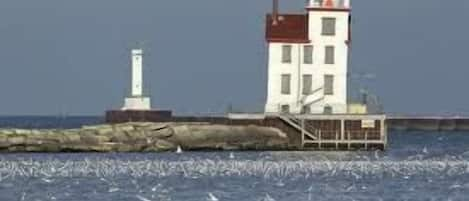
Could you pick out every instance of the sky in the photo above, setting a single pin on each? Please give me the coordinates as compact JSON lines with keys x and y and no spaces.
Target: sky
{"x":64,"y":57}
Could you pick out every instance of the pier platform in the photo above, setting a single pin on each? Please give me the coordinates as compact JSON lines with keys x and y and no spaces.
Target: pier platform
{"x":306,"y":132}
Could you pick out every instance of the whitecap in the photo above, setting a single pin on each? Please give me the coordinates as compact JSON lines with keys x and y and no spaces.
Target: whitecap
{"x":279,"y":184}
{"x":350,"y":188}
{"x":466,"y":185}
{"x":455,"y":186}
{"x":47,"y":180}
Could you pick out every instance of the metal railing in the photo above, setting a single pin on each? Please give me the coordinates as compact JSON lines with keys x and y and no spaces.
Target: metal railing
{"x":298,"y":124}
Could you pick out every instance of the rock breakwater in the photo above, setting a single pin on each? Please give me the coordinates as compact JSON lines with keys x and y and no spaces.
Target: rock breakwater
{"x":143,"y":137}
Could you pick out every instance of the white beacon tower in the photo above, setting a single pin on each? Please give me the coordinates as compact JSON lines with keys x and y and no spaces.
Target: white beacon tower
{"x":137,"y":101}
{"x":308,"y":59}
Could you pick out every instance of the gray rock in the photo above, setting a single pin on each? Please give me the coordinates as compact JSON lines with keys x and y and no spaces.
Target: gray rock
{"x":53,"y":137}
{"x":160,"y":134}
{"x":119,"y":136}
{"x":90,"y":148}
{"x":123,"y":127}
{"x":38,"y":132}
{"x":156,"y":127}
{"x":160,"y":146}
{"x":16,"y":149}
{"x":70,"y":132}
{"x":17,"y":140}
{"x":136,"y":135}
{"x":72,"y":138}
{"x":104,"y":131}
{"x":227,"y":137}
{"x":125,"y":148}
{"x":49,"y":148}
{"x":34,"y":140}
{"x":4,"y":142}
{"x":22,"y":132}
{"x":99,"y":129}
{"x":139,"y":125}
{"x":96,"y":127}
{"x":7,"y":131}
{"x":165,"y":145}
{"x":94,"y":139}
{"x":182,"y":131}
{"x":32,"y":148}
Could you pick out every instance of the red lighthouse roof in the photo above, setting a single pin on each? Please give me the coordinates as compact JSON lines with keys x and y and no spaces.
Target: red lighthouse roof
{"x":289,"y":28}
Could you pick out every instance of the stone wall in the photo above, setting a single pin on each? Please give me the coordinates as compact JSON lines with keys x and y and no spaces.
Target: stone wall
{"x":144,"y":137}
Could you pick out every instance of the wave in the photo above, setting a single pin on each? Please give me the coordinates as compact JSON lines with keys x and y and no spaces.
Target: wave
{"x":199,"y":168}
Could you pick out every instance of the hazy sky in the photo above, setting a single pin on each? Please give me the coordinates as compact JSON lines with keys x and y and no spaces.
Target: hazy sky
{"x":64,"y":56}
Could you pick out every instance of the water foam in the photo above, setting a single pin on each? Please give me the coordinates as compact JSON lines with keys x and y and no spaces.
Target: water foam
{"x":259,"y":168}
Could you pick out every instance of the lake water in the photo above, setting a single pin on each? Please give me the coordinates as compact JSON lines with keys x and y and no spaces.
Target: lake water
{"x":417,"y":166}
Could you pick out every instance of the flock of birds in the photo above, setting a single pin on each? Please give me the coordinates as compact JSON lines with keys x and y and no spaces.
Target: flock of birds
{"x":268,"y":168}
{"x":230,"y":166}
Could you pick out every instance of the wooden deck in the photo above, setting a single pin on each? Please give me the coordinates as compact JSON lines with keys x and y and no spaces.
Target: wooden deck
{"x":333,"y":132}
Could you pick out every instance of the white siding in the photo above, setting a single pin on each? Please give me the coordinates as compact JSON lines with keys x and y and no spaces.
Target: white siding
{"x":297,"y":68}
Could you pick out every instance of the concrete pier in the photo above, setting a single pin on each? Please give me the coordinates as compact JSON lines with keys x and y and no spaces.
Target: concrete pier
{"x":428,"y":123}
{"x":305,"y":132}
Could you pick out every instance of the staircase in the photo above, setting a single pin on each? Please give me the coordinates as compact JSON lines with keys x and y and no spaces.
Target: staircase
{"x":296,"y":123}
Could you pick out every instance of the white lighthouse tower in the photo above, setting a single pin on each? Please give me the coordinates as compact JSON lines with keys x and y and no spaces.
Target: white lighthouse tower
{"x":308,"y":59}
{"x":137,"y":101}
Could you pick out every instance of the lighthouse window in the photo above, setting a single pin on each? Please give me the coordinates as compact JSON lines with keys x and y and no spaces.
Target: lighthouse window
{"x":328,"y":85}
{"x":308,"y":54}
{"x":328,"y":26}
{"x":285,"y":109}
{"x":285,"y":84}
{"x":286,"y":53}
{"x":306,"y":110}
{"x":328,"y":110}
{"x":318,"y":2}
{"x":307,"y":84}
{"x":329,"y":55}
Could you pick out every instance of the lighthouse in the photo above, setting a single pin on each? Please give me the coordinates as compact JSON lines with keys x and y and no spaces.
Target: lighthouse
{"x":136,"y":100}
{"x":308,"y":59}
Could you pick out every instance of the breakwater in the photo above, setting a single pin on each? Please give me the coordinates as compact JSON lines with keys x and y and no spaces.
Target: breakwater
{"x":428,"y":123}
{"x":144,"y":137}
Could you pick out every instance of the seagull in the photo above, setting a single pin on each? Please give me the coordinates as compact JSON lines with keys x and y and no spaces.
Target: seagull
{"x":232,"y":155}
{"x":211,"y":197}
{"x":377,"y":154}
{"x":141,"y":198}
{"x":268,"y":198}
{"x":425,"y":151}
{"x":179,"y":150}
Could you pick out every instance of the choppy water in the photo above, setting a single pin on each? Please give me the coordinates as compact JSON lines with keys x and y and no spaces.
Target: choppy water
{"x":417,"y":166}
